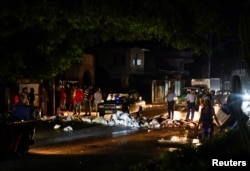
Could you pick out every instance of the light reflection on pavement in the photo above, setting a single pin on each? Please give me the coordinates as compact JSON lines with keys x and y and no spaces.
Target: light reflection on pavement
{"x":97,"y":131}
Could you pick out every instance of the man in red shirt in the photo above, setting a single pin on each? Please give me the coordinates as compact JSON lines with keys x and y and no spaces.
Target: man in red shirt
{"x":78,"y":100}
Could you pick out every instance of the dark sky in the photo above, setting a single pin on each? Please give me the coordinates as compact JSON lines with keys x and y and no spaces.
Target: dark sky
{"x":230,"y":11}
{"x":226,"y":56}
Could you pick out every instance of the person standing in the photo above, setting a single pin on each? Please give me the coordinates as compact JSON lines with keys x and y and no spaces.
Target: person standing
{"x":206,"y":119}
{"x":16,"y":100}
{"x":57,"y":100}
{"x":88,"y":96}
{"x":170,"y":103}
{"x":97,"y":98}
{"x":24,"y":96}
{"x":210,"y":96}
{"x":190,"y":98}
{"x":44,"y":101}
{"x":31,"y":97}
{"x":212,"y":92}
{"x":63,"y":99}
{"x":78,"y":100}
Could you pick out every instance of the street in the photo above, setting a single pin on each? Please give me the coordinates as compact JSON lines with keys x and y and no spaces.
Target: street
{"x":96,"y":147}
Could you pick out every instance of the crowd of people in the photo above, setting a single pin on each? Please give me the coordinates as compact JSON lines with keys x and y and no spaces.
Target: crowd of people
{"x":207,"y":112}
{"x":74,"y":99}
{"x":86,"y":100}
{"x":77,"y":99}
{"x":27,"y":97}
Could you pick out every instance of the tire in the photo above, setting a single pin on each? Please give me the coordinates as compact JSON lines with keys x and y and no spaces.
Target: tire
{"x":23,"y":146}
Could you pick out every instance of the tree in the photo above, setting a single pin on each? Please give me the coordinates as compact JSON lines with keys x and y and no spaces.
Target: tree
{"x":43,"y":38}
{"x":244,"y":35}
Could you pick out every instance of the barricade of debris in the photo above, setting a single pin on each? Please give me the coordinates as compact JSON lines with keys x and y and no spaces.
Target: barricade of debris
{"x":124,"y":119}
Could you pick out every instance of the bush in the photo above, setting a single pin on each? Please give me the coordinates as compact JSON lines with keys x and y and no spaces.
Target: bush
{"x":223,"y":145}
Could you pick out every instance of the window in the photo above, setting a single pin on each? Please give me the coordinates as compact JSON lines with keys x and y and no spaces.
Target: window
{"x":137,"y":61}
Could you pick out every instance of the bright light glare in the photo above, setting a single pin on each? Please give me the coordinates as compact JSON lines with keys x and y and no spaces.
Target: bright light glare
{"x":246,"y":96}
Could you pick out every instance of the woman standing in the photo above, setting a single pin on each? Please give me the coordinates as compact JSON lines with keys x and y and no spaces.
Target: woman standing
{"x":206,"y":119}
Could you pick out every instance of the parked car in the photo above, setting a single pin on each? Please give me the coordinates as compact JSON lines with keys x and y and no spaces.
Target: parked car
{"x":130,"y":102}
{"x":220,"y":97}
{"x":180,"y":103}
{"x":15,"y":138}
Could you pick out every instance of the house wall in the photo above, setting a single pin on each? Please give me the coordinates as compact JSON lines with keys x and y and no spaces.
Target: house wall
{"x":126,"y":68}
{"x":84,"y":71}
{"x":119,"y":64}
{"x":137,"y":61}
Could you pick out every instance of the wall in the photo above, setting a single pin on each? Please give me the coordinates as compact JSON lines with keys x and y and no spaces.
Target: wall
{"x":84,"y":71}
{"x":117,"y":64}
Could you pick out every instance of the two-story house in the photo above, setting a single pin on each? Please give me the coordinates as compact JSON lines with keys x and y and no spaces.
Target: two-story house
{"x":114,"y":66}
{"x":150,"y":72}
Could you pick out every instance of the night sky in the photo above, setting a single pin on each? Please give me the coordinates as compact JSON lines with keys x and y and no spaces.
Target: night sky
{"x":226,"y":56}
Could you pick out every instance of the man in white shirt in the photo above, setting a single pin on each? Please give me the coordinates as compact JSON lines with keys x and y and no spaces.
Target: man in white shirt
{"x":170,"y":101}
{"x":190,"y":98}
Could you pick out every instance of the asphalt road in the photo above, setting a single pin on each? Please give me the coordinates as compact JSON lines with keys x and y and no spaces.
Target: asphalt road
{"x":94,"y":147}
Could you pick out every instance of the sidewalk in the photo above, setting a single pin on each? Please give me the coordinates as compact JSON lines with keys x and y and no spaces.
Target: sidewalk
{"x":95,"y":114}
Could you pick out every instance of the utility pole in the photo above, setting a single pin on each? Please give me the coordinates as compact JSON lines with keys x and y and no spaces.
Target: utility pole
{"x":209,"y":55}
{"x":53,"y":92}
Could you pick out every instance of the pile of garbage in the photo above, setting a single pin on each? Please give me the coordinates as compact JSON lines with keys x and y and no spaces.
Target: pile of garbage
{"x":124,"y":119}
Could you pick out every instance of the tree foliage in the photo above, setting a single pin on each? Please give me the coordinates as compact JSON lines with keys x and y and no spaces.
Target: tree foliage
{"x":244,"y":34}
{"x":39,"y":39}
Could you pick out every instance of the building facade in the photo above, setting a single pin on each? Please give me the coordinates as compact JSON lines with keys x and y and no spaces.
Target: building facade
{"x":150,"y":72}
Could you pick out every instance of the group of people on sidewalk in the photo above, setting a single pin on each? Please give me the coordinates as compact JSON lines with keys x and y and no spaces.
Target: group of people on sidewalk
{"x":27,"y":97}
{"x":207,"y":112}
{"x":86,"y":99}
{"x":78,"y":100}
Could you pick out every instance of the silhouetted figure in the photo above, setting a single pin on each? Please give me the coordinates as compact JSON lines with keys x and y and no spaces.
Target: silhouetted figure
{"x":44,"y":101}
{"x":31,"y":97}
